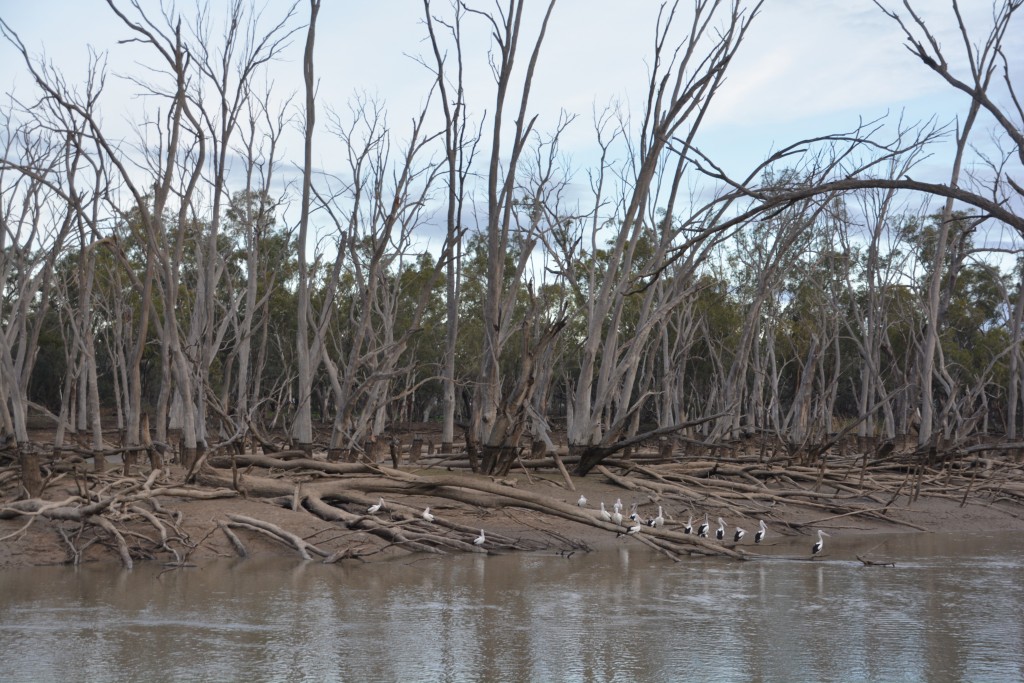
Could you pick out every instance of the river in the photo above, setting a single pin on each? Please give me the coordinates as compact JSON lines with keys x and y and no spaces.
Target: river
{"x":952,"y":609}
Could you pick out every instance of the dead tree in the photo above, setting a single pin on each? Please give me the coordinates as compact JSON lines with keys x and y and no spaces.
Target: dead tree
{"x":491,"y":408}
{"x":683,"y":82}
{"x":460,"y":149}
{"x":35,"y":224}
{"x":302,"y":429}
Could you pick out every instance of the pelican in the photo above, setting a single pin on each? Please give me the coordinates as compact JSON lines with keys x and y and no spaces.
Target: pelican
{"x":374,"y":509}
{"x":481,"y":539}
{"x":720,"y":533}
{"x":618,"y":505}
{"x":635,"y":529}
{"x":740,"y":533}
{"x":617,"y":516}
{"x":702,"y":530}
{"x":633,"y":513}
{"x":688,"y":529}
{"x":816,"y":548}
{"x":427,"y":516}
{"x":604,"y":513}
{"x":659,"y":520}
{"x":582,"y":502}
{"x":759,"y":536}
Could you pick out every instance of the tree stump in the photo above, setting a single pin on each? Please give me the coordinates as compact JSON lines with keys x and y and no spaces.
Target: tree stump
{"x":395,"y":446}
{"x":156,"y":457}
{"x":371,"y":450}
{"x":665,"y":449}
{"x":415,"y":449}
{"x":127,"y":462}
{"x":31,"y":477}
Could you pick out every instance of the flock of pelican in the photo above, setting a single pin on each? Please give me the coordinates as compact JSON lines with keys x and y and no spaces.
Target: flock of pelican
{"x":637,"y":523}
{"x":703,"y":529}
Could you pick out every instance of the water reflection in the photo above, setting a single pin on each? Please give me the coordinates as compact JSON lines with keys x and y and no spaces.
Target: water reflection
{"x":952,"y":609}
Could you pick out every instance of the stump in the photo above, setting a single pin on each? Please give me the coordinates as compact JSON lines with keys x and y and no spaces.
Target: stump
{"x":665,"y":449}
{"x":31,"y":477}
{"x":395,"y":446}
{"x":415,"y":449}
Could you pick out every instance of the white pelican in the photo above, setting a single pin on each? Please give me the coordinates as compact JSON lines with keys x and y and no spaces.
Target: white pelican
{"x":618,"y":505}
{"x":635,"y":529}
{"x":816,"y":548}
{"x":605,"y":515}
{"x":720,"y":533}
{"x":582,"y":502}
{"x":740,"y":533}
{"x":427,"y":516}
{"x":688,"y":529}
{"x":617,"y":516}
{"x":374,"y":509}
{"x":702,"y":530}
{"x":759,"y":536}
{"x":481,"y":539}
{"x":659,"y":520}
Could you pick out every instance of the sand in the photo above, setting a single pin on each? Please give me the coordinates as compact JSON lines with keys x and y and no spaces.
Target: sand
{"x":41,"y":542}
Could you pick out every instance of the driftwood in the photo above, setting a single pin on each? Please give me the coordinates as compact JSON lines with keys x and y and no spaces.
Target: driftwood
{"x":126,"y":515}
{"x":110,"y":509}
{"x":472,"y":490}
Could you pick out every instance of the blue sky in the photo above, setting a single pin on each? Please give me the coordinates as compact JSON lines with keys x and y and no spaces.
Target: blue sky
{"x":808,"y":67}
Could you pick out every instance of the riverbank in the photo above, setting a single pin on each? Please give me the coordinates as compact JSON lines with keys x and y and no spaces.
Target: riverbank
{"x":183,"y":529}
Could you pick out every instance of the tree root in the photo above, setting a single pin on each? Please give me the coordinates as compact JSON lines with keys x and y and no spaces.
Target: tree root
{"x":126,"y":515}
{"x":278,"y":534}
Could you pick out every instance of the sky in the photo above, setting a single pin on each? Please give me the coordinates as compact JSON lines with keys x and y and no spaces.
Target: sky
{"x":807,"y":67}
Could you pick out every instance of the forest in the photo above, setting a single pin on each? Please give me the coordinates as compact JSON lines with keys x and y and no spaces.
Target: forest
{"x":167,"y":295}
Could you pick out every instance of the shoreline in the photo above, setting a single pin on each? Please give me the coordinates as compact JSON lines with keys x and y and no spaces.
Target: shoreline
{"x":42,"y":544}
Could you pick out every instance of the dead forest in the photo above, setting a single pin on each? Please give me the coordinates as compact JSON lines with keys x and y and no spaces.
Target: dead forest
{"x":189,"y":313}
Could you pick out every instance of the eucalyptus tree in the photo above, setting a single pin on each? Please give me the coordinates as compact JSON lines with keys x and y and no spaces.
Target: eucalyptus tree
{"x":375,"y":204}
{"x":36,"y":222}
{"x":683,"y":81}
{"x":228,"y":54}
{"x":495,"y":415}
{"x":302,"y":429}
{"x":460,"y":149}
{"x":987,"y":64}
{"x":81,"y":404}
{"x":251,"y":217}
{"x":851,"y":162}
{"x":872,"y":312}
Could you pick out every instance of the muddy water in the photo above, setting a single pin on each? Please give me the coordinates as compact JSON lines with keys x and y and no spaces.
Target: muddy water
{"x":951,"y":610}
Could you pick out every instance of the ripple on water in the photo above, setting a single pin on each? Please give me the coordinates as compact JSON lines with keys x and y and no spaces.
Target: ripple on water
{"x":951,"y":610}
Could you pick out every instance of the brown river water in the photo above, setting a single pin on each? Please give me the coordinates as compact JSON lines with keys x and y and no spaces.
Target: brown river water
{"x":952,"y":609}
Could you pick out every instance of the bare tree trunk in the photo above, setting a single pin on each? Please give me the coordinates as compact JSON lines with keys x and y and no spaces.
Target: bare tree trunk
{"x":488,"y":400}
{"x":458,"y":159}
{"x":302,"y":429}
